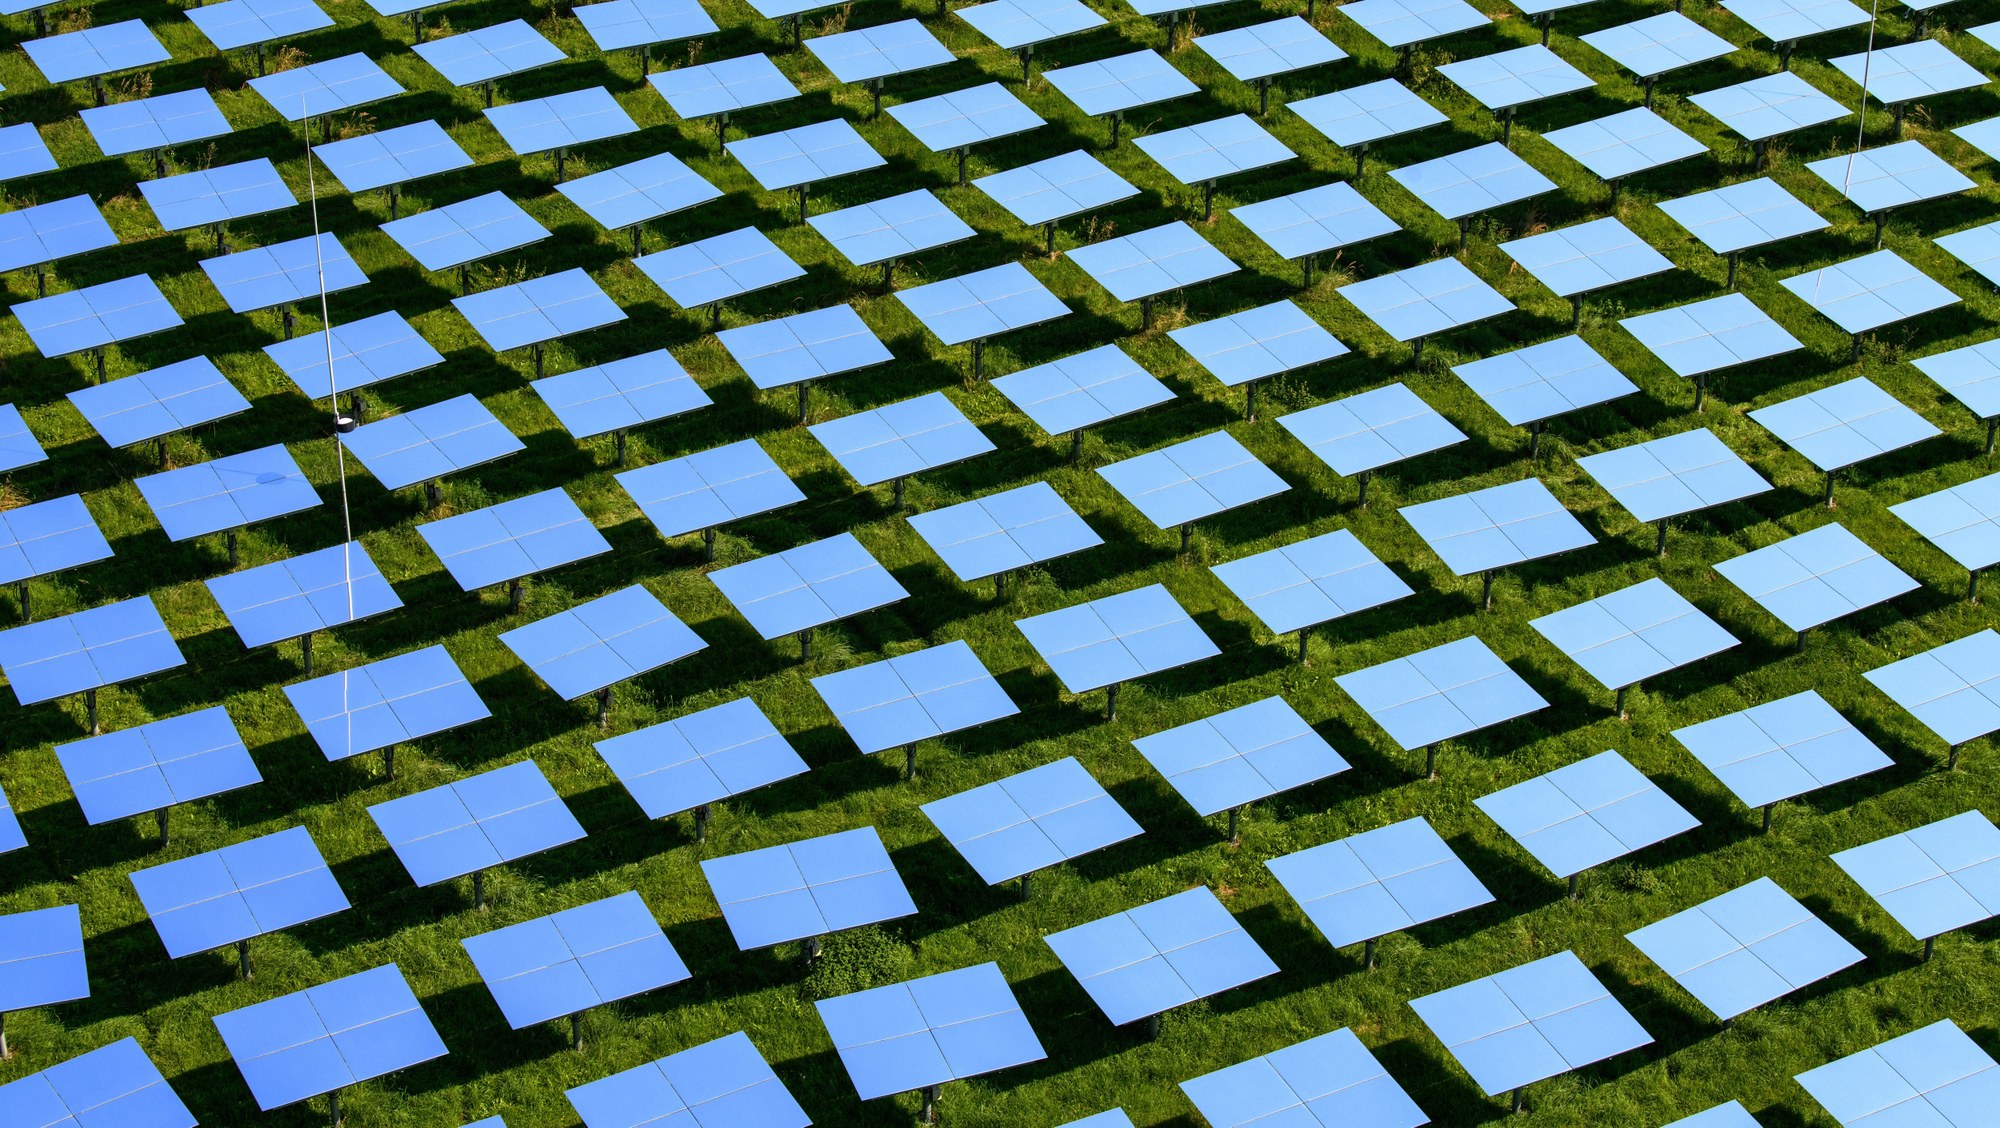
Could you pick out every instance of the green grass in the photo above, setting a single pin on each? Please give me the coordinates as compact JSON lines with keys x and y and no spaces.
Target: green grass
{"x":167,"y":1004}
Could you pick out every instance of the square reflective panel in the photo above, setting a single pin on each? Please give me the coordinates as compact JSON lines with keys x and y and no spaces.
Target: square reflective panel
{"x":1505,"y":79}
{"x":539,"y":310}
{"x":429,"y":442}
{"x":807,"y":889}
{"x":295,"y":271}
{"x":709,"y":488}
{"x":1013,"y":24}
{"x":1440,"y":693}
{"x":1714,"y":333}
{"x":1370,"y":430}
{"x":1963,"y":521}
{"x":227,"y":493}
{"x":513,"y":539}
{"x":1952,"y":688}
{"x":487,"y":53}
{"x":1056,"y":188}
{"x":286,"y":599}
{"x":157,"y":765}
{"x":86,"y":650}
{"x":891,"y":228}
{"x":620,"y":394}
{"x":1193,"y":479}
{"x":719,"y":268}
{"x":1935,"y":1074}
{"x":1633,"y":633}
{"x":1120,"y":83}
{"x":41,"y":958}
{"x":1589,"y":256}
{"x":1369,"y":112}
{"x":998,"y":533}
{"x":1542,"y":381}
{"x":392,"y":157}
{"x":1737,"y":217}
{"x":212,"y":900}
{"x":154,"y":123}
{"x":1530,"y":1022}
{"x":365,"y":352}
{"x":927,"y":1031}
{"x":901,"y":439}
{"x":899,"y":701}
{"x":1206,"y":151}
{"x":1116,"y":638}
{"x":385,"y":702}
{"x":1031,"y":820}
{"x":96,"y":316}
{"x":1465,"y":183}
{"x":465,"y":232}
{"x":1869,"y":292}
{"x":598,"y":644}
{"x":643,"y":190}
{"x":973,"y":307}
{"x":1266,"y":50}
{"x":809,"y":586}
{"x":1368,"y":885}
{"x":48,"y":537}
{"x":1152,"y":262}
{"x":805,"y":155}
{"x":217,"y":195}
{"x":1624,"y":143}
{"x":1412,"y":304}
{"x":704,"y":757}
{"x":1672,"y":475}
{"x":870,"y":53}
{"x":1745,"y":948}
{"x":1405,"y":23}
{"x":1151,"y":959}
{"x":324,"y":1038}
{"x":1324,"y":1081}
{"x":1265,"y":341}
{"x":560,"y":121}
{"x":722,"y":86}
{"x":1497,"y":527}
{"x":803,"y":346}
{"x":45,"y":233}
{"x":483,"y":820}
{"x":725,"y":1081}
{"x":1315,"y":220}
{"x":1586,"y":813}
{"x":1934,"y":878}
{"x":326,"y":87}
{"x":626,"y":24}
{"x":1085,"y":389}
{"x":1781,"y":749}
{"x":558,"y":965}
{"x":1240,"y":755}
{"x":118,"y":1079}
{"x":1816,"y":577}
{"x":1653,"y":46}
{"x":1847,"y":423}
{"x":1316,"y":580}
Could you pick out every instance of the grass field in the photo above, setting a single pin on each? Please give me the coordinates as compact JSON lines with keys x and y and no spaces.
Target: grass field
{"x":167,"y":1005}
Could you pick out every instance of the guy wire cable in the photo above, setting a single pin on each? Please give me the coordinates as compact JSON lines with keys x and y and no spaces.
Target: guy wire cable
{"x":332,"y":385}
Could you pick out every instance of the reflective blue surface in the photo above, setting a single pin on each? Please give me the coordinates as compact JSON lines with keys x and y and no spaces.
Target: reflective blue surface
{"x":482,"y":820}
{"x":927,"y":1031}
{"x":1240,"y":755}
{"x":156,"y":765}
{"x":1586,"y":813}
{"x":808,"y":888}
{"x":1031,"y":820}
{"x":1116,"y":638}
{"x":1380,"y":881}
